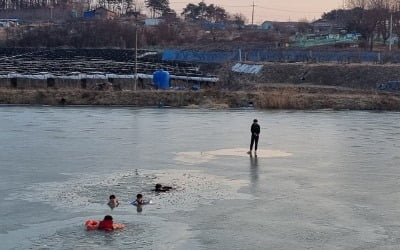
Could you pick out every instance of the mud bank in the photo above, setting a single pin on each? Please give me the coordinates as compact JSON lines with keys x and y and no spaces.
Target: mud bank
{"x":272,"y":97}
{"x":361,"y":76}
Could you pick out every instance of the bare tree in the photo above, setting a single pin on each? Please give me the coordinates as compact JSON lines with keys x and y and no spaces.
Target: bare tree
{"x":396,"y":20}
{"x":356,"y":4}
{"x":28,"y":4}
{"x":374,"y":18}
{"x":239,"y":20}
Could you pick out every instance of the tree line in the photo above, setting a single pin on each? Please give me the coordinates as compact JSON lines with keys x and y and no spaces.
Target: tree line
{"x":29,"y":4}
{"x":192,"y":12}
{"x":32,"y":4}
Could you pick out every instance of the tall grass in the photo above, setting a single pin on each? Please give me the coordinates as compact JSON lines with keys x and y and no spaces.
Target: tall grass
{"x":267,"y":98}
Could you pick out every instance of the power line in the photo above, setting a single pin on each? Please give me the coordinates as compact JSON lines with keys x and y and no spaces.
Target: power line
{"x":248,"y":8}
{"x":292,"y":11}
{"x":260,"y":6}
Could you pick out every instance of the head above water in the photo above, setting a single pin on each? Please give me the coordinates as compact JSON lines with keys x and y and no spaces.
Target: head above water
{"x":255,"y":120}
{"x":108,"y":217}
{"x":139,"y":196}
{"x":158,"y":186}
{"x":112,"y":197}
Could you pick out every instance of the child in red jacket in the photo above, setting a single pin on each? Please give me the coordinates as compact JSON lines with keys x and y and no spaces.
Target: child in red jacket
{"x":106,"y":224}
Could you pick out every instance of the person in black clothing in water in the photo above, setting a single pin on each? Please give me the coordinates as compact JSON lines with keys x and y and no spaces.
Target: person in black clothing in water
{"x":160,"y":188}
{"x":255,"y":133}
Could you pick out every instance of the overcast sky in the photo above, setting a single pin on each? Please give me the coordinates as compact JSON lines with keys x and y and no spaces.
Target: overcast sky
{"x":272,"y":10}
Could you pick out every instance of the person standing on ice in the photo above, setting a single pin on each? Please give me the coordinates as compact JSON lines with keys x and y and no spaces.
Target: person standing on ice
{"x":255,"y":134}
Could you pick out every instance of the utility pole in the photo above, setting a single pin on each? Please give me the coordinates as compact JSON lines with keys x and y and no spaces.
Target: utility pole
{"x":391,"y":32}
{"x":202,"y":11}
{"x":252,"y":16}
{"x":136,"y":48}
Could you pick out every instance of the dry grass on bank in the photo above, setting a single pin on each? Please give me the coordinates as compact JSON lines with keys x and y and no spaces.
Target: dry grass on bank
{"x":266,"y":98}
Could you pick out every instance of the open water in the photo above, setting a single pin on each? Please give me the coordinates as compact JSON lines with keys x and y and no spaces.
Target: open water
{"x":322,"y":179}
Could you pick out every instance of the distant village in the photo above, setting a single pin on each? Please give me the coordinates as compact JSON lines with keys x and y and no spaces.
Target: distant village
{"x":106,"y":23}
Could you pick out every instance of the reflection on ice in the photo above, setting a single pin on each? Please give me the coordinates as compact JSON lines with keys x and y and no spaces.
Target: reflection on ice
{"x":254,"y":169}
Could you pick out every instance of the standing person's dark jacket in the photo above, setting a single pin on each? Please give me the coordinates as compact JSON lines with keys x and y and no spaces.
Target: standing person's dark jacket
{"x":255,"y":129}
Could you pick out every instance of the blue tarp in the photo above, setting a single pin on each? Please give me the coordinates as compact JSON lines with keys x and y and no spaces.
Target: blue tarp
{"x":199,"y":56}
{"x":213,"y":26}
{"x":89,"y":14}
{"x":389,"y":86}
{"x":280,"y":56}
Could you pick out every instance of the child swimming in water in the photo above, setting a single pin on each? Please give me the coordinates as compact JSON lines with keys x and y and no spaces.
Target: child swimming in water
{"x":140,"y":201}
{"x":106,"y":224}
{"x":113,"y":202}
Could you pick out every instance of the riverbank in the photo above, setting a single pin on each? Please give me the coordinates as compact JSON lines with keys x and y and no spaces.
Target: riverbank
{"x":356,"y":75}
{"x":261,"y":97}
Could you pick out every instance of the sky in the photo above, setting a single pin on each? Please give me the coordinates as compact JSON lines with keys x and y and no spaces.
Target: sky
{"x":271,"y":10}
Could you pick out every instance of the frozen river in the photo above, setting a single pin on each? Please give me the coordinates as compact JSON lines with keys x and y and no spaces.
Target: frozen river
{"x":322,"y":179}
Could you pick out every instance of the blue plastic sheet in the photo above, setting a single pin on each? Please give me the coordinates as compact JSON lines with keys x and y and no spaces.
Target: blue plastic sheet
{"x":199,"y":56}
{"x":280,"y":56}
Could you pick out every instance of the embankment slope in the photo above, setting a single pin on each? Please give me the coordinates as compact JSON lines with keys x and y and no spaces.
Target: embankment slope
{"x":264,"y":96}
